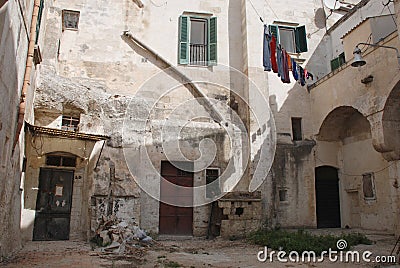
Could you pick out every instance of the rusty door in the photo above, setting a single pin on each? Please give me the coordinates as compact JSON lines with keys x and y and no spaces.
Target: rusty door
{"x":53,"y":205}
{"x":176,"y":220}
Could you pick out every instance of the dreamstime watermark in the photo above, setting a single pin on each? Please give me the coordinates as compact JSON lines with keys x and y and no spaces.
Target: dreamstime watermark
{"x":330,"y":255}
{"x":172,"y":118}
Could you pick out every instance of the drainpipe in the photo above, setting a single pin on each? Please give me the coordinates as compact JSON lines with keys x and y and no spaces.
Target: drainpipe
{"x":28,"y":70}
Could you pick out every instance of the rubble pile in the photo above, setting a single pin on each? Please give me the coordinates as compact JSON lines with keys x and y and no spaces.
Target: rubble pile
{"x":121,"y":239}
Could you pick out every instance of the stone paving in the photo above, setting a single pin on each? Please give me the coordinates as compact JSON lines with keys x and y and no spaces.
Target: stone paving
{"x":189,"y":252}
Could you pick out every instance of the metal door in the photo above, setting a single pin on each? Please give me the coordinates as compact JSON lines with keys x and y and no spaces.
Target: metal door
{"x":53,"y":205}
{"x":176,"y":220}
{"x":327,"y":197}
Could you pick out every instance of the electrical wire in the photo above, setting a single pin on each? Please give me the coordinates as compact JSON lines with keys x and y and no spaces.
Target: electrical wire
{"x":258,"y":14}
{"x":368,"y":41}
{"x":334,"y":7}
{"x":357,"y":175}
{"x":266,"y":1}
{"x":38,"y":150}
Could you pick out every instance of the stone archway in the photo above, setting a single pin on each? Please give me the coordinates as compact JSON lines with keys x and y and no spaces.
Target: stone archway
{"x":391,"y":124}
{"x":345,"y":141}
{"x":343,"y":122}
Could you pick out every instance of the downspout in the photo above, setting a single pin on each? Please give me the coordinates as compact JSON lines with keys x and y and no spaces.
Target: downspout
{"x":28,"y":71}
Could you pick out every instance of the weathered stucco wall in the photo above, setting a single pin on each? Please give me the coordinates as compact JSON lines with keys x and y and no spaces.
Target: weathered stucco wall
{"x":13,"y":52}
{"x":100,"y":56}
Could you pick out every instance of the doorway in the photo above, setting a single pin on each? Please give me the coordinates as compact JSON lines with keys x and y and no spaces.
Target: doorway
{"x":176,"y":220}
{"x":53,"y":204}
{"x":327,"y":197}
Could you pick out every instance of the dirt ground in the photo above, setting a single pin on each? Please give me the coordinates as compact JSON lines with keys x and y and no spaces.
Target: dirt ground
{"x":173,"y":252}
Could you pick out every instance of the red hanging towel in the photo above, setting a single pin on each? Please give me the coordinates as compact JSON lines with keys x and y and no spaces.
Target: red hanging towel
{"x":273,"y":55}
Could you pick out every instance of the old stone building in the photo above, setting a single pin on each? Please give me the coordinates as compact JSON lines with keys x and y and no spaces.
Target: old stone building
{"x":19,"y":54}
{"x":134,"y":99}
{"x":355,"y":122}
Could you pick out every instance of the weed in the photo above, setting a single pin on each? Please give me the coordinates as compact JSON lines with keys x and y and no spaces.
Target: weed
{"x":172,"y":264}
{"x":301,"y":240}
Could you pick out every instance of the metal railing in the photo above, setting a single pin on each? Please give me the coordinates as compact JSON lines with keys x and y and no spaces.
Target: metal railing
{"x":198,"y":54}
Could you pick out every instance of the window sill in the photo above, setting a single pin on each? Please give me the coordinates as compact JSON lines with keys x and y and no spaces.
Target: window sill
{"x":70,"y":29}
{"x":200,"y":66}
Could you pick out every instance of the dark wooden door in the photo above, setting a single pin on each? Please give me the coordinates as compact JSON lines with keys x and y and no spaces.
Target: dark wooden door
{"x":176,"y":220}
{"x":327,"y":197}
{"x":53,"y":205}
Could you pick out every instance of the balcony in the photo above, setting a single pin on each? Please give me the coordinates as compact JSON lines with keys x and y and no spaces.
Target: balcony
{"x":198,"y":54}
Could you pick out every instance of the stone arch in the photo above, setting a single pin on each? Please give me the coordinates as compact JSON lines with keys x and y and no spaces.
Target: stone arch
{"x":391,"y":124}
{"x":344,"y":122}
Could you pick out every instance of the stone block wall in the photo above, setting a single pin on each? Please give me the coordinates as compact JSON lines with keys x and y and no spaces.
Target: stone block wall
{"x":242,"y":214}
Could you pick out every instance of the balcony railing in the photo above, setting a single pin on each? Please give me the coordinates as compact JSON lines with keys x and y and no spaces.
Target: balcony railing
{"x":198,"y":54}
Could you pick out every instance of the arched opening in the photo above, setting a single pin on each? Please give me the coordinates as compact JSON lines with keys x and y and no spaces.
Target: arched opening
{"x":342,"y":123}
{"x":360,"y":180}
{"x":327,"y":197}
{"x":391,"y":122}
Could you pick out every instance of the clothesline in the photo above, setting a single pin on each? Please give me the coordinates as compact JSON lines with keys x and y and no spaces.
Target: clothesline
{"x":278,"y":60}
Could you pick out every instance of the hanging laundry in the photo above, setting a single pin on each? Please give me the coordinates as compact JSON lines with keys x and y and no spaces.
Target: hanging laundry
{"x":279,"y":60}
{"x":302,"y":76}
{"x":289,"y":61}
{"x":294,"y":70}
{"x":285,"y":67}
{"x":273,"y":55}
{"x":267,"y":49}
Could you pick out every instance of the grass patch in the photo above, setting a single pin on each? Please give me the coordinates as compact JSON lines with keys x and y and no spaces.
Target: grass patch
{"x":301,"y":241}
{"x":172,"y":264}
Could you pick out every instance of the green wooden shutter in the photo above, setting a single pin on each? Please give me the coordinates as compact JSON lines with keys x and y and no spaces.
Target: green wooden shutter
{"x":183,"y":50}
{"x":212,"y":41}
{"x":39,"y":20}
{"x":335,"y":64}
{"x":273,"y":29}
{"x":301,"y":39}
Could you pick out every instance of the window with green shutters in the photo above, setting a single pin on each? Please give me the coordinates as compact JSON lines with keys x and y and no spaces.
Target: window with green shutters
{"x":337,"y":62}
{"x":197,"y":40}
{"x":293,"y":39}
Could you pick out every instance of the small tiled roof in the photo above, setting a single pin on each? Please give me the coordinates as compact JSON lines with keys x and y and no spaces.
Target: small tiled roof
{"x":64,"y":133}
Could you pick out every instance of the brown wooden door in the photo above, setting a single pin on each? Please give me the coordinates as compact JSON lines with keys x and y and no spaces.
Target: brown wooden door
{"x":176,"y":220}
{"x":53,"y":205}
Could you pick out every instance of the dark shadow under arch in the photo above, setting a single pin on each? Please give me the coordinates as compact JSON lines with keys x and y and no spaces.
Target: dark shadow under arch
{"x":343,"y":122}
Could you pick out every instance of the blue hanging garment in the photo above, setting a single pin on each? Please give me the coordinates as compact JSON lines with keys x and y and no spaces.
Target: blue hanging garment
{"x":294,"y":70}
{"x":267,"y":49}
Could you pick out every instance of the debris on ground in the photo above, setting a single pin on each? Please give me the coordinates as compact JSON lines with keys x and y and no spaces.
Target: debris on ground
{"x":121,"y":239}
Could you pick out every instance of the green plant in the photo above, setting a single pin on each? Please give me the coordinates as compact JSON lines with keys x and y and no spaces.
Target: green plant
{"x":301,"y":240}
{"x":172,"y":264}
